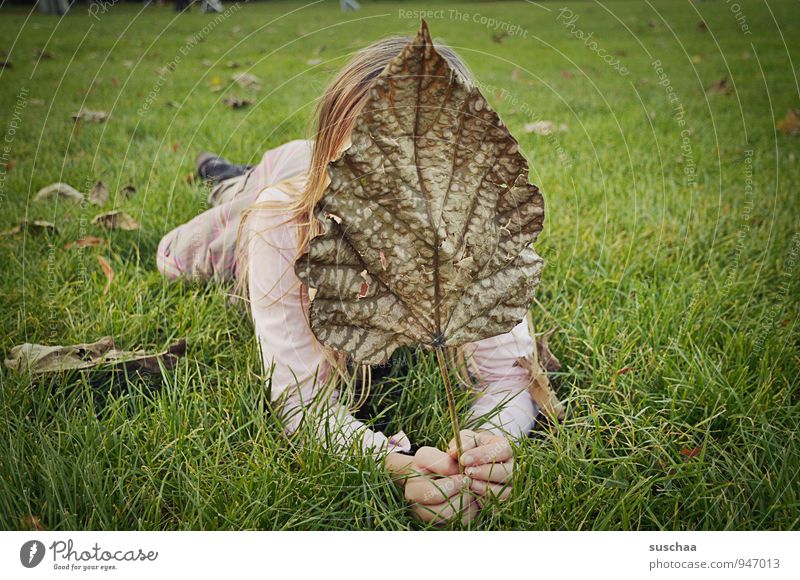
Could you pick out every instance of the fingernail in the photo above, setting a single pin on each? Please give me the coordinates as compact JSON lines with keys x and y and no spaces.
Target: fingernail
{"x":467,"y":459}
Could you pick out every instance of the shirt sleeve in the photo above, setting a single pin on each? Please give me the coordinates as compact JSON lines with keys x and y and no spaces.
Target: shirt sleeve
{"x":291,"y":354}
{"x":504,"y":404}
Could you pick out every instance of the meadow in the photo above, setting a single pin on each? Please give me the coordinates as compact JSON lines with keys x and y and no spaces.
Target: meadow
{"x":672,"y":249}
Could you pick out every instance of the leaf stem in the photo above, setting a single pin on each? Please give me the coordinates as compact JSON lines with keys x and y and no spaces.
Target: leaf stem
{"x":451,"y":404}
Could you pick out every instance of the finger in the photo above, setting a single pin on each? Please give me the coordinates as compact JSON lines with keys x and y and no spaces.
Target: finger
{"x":493,"y":472}
{"x":400,"y":467}
{"x":428,"y":491}
{"x":499,"y":491}
{"x":463,"y":505}
{"x":432,"y":460}
{"x":496,"y":450}
{"x":469,"y":440}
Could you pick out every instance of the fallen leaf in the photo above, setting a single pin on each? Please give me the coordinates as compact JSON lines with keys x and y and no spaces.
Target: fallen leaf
{"x":233,"y":64}
{"x":247,"y":81}
{"x":458,"y":195}
{"x":206,"y":63}
{"x":116,"y":220}
{"x":790,"y":124}
{"x":127,"y":63}
{"x":33,"y":226}
{"x":43,"y":54}
{"x":128,"y":190}
{"x":624,"y":370}
{"x":176,"y":146}
{"x":235,"y":102}
{"x":173,"y":104}
{"x":99,"y":194}
{"x":58,"y":190}
{"x":10,"y":165}
{"x":543,"y":127}
{"x":547,"y":359}
{"x":38,"y":359}
{"x":720,"y":86}
{"x":32,"y":522}
{"x":92,"y":116}
{"x":701,"y":26}
{"x":567,"y":74}
{"x":108,"y":271}
{"x":499,"y":36}
{"x":85,"y":242}
{"x":691,"y":452}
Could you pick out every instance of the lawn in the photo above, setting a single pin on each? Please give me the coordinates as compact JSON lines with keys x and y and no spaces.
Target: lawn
{"x":672,"y":249}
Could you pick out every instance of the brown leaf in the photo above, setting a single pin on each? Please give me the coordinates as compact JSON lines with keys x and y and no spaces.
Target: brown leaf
{"x":108,"y":272}
{"x":701,"y":26}
{"x":32,"y":226}
{"x":567,"y":74}
{"x":128,"y":190}
{"x":456,"y":232}
{"x":548,"y":360}
{"x":720,"y":86}
{"x":39,"y":359}
{"x":235,"y":102}
{"x":790,"y":124}
{"x":691,"y":452}
{"x":92,"y":116}
{"x":32,"y":522}
{"x":624,"y":370}
{"x":247,"y":81}
{"x":99,"y":194}
{"x":58,"y":190}
{"x":116,"y":220}
{"x":85,"y":242}
{"x":43,"y":54}
{"x":541,"y":390}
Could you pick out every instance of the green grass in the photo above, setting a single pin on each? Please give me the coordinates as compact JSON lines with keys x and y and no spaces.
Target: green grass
{"x":691,"y":283}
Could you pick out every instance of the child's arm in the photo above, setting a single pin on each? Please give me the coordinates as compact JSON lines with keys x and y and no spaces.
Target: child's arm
{"x":279,"y":306}
{"x":503,"y":384}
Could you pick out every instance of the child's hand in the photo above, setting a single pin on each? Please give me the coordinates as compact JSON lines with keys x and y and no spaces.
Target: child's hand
{"x":488,"y":461}
{"x":433,"y":485}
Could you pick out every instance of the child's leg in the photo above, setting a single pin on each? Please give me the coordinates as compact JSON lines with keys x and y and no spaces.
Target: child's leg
{"x":205,"y":247}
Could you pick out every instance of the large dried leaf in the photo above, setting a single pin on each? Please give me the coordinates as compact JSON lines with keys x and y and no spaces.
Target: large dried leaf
{"x":39,"y":358}
{"x":98,"y":194}
{"x":429,"y":219}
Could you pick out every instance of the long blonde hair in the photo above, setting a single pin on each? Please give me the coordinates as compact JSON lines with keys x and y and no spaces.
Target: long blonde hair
{"x":335,"y":117}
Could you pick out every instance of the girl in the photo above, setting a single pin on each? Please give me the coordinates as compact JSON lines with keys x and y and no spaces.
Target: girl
{"x":260,"y":222}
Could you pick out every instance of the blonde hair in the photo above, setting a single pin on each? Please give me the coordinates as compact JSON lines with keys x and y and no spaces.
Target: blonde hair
{"x":334,"y":119}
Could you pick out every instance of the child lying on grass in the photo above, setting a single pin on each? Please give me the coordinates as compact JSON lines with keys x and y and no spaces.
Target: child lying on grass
{"x":260,"y":222}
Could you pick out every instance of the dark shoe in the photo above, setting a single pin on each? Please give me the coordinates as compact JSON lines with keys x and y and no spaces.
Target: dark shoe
{"x":214,"y":168}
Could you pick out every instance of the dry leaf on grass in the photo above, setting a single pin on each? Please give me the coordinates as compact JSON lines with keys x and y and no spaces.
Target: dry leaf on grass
{"x":720,"y":86}
{"x":116,"y":220}
{"x":108,"y":272}
{"x":128,"y":190}
{"x":446,"y":257}
{"x":38,"y":358}
{"x":235,"y":102}
{"x":58,"y":190}
{"x":85,"y":242}
{"x":547,"y":359}
{"x":790,"y":124}
{"x":43,"y":54}
{"x":98,"y":194}
{"x":33,"y":226}
{"x":247,"y":81}
{"x":544,"y":127}
{"x":31,"y":522}
{"x":92,"y":116}
{"x":694,"y":452}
